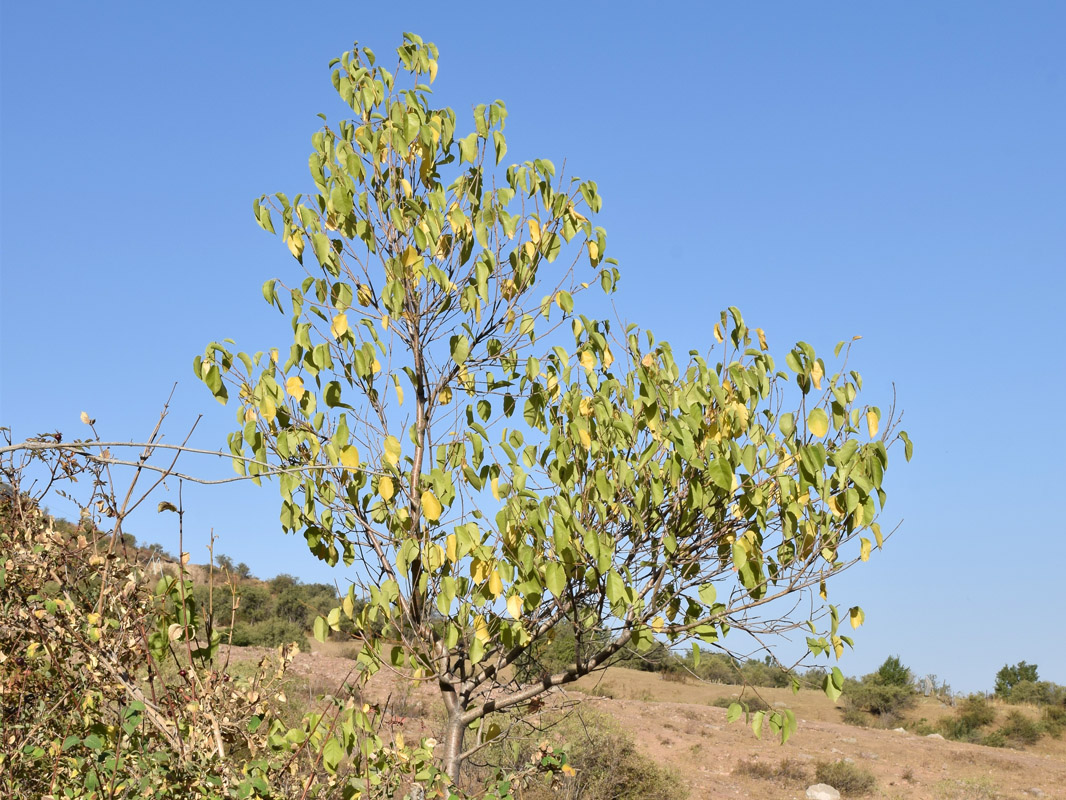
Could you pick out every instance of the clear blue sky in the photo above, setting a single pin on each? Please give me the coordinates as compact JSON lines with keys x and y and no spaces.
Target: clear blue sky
{"x":896,"y":171}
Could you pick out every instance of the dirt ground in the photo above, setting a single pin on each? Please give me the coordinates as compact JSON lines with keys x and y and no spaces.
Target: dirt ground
{"x":676,"y":725}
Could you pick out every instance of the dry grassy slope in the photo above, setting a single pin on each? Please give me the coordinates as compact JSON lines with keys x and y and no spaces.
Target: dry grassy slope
{"x":675,"y":724}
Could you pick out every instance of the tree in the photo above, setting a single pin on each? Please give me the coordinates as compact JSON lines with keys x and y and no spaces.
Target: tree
{"x":893,"y":673}
{"x":1009,"y":677}
{"x":496,"y":465}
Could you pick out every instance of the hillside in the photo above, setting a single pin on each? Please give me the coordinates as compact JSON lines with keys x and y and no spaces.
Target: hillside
{"x":676,"y":725}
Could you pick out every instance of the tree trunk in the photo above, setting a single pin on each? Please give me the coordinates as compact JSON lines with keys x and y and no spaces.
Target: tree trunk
{"x":453,"y":744}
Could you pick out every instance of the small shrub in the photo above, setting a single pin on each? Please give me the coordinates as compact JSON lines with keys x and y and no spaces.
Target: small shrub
{"x":852,"y":716}
{"x":606,"y":762}
{"x":787,"y":771}
{"x":846,"y":778}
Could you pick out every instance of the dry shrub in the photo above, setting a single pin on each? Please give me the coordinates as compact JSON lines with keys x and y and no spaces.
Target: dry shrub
{"x":847,"y":778}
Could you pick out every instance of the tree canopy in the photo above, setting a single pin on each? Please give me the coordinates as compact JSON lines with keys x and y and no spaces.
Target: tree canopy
{"x":495,"y":465}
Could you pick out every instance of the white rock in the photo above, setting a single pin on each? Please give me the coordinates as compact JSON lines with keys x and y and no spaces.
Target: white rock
{"x":899,"y":730}
{"x":934,"y":736}
{"x":822,"y":791}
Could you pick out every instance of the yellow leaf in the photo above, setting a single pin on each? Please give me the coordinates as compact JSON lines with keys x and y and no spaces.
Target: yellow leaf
{"x":479,"y":570}
{"x":530,"y":250}
{"x":184,"y":559}
{"x":872,"y":422}
{"x":392,"y":450}
{"x":864,"y":549}
{"x":876,"y":528}
{"x":762,"y":338}
{"x":838,"y":646}
{"x":445,"y":395}
{"x":594,"y":252}
{"x":431,"y":506}
{"x":350,"y":457}
{"x":386,"y":488}
{"x":296,"y":245}
{"x":587,"y":359}
{"x":818,"y":423}
{"x":718,"y":334}
{"x":586,"y":440}
{"x":481,"y":630}
{"x":406,"y":186}
{"x":269,"y":410}
{"x":274,"y":354}
{"x":494,"y":485}
{"x":514,"y":606}
{"x":817,"y":373}
{"x":857,"y":617}
{"x":432,"y":71}
{"x":399,"y":740}
{"x":364,"y":295}
{"x":411,"y":256}
{"x":249,"y":414}
{"x":452,"y":547}
{"x":585,"y":407}
{"x":534,"y":231}
{"x":822,"y":592}
{"x":294,"y":386}
{"x":84,"y":417}
{"x":495,"y":584}
{"x":657,"y":624}
{"x":608,"y":358}
{"x":553,"y":387}
{"x":339,"y":326}
{"x":835,"y":507}
{"x":399,"y":390}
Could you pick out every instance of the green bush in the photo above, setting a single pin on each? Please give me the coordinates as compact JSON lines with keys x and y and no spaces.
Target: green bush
{"x":845,"y":777}
{"x":269,"y":633}
{"x":974,"y":713}
{"x":877,"y":699}
{"x":1020,"y":730}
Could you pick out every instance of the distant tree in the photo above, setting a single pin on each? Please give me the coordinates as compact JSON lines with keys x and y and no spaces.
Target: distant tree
{"x":1009,"y":677}
{"x":224,"y":562}
{"x":541,"y":464}
{"x":893,"y":673}
{"x":243,"y":570}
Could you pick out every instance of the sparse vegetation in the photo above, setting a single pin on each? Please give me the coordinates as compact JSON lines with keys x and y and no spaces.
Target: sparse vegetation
{"x":974,"y":789}
{"x":788,"y":771}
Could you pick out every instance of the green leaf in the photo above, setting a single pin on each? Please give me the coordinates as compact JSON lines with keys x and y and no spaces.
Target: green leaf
{"x":332,"y":755}
{"x":708,"y":594}
{"x":756,"y":723}
{"x":818,"y":423}
{"x":833,"y":684}
{"x":321,"y":628}
{"x":734,"y":712}
{"x":721,"y":473}
{"x":460,"y":348}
